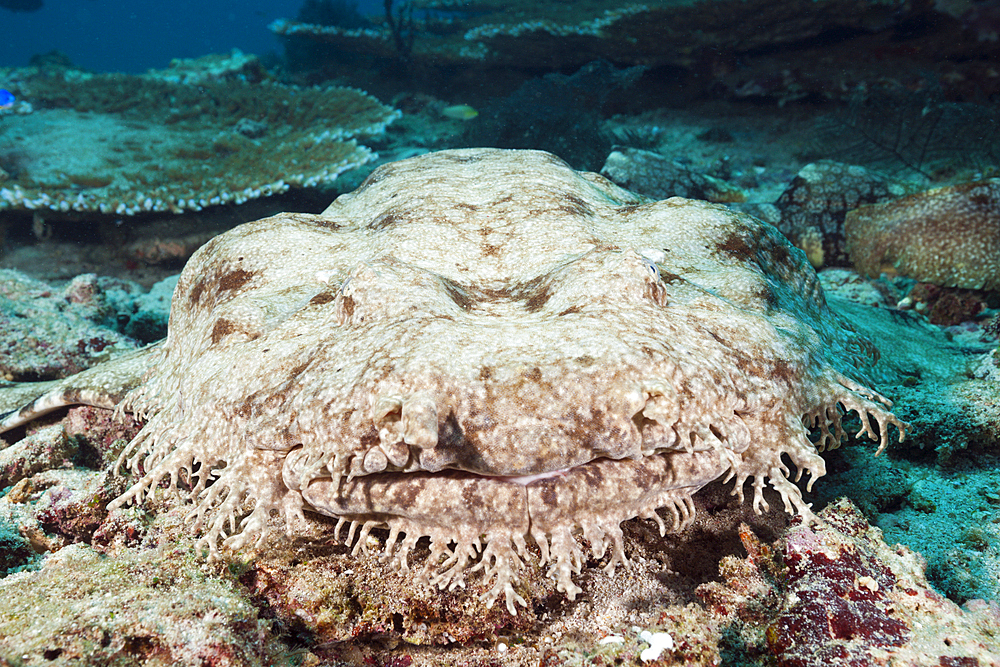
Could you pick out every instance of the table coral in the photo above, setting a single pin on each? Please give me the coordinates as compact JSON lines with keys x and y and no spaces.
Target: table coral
{"x":486,"y":347}
{"x":747,"y":49}
{"x":123,"y":145}
{"x":232,"y":66}
{"x":946,"y":236}
{"x":562,"y":35}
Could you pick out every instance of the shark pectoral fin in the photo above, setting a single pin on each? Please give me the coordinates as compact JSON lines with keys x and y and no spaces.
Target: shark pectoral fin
{"x":104,"y":386}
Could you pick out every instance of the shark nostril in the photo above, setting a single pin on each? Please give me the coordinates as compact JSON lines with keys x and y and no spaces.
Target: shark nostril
{"x":420,"y":421}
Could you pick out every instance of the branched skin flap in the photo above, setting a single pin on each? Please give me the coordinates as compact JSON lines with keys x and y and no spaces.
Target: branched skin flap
{"x":490,"y":349}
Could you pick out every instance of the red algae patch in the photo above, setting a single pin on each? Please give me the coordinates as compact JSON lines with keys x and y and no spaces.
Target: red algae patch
{"x":836,"y":594}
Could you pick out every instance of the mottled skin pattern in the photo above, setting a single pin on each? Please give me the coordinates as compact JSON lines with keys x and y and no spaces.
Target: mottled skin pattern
{"x":490,"y":349}
{"x":946,"y":236}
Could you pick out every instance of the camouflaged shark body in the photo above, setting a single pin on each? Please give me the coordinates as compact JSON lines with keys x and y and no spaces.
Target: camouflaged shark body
{"x":489,"y":349}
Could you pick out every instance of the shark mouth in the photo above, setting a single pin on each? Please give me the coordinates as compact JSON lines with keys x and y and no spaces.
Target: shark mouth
{"x":484,"y":522}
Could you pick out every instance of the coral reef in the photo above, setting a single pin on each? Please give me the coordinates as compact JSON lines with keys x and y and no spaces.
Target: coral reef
{"x":124,"y":145}
{"x":215,"y":67}
{"x":787,"y":52}
{"x":316,"y":603}
{"x":150,"y":606}
{"x":47,"y":448}
{"x":14,"y":550}
{"x":564,"y":35}
{"x":52,"y":334}
{"x":946,"y":236}
{"x":846,"y":284}
{"x":557,"y":113}
{"x":584,"y":383}
{"x":339,"y":597}
{"x":835,"y":593}
{"x":405,"y":331}
{"x":304,"y":54}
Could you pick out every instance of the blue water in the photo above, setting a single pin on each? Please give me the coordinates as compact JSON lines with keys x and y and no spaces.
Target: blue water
{"x":135,"y":35}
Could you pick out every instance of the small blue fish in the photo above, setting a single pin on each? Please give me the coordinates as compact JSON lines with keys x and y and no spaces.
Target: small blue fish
{"x":6,"y":99}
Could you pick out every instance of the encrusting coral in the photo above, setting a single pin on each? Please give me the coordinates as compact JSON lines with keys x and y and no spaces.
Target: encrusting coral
{"x":946,"y":236}
{"x":486,"y":347}
{"x":121,"y":144}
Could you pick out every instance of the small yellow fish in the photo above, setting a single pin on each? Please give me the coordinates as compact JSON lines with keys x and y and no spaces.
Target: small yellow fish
{"x":459,"y":112}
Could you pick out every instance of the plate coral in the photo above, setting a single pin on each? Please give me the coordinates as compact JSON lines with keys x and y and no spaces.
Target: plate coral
{"x":123,"y":145}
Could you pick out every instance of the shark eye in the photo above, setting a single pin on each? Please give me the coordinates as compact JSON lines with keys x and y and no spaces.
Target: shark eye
{"x":656,"y":290}
{"x":652,"y":268}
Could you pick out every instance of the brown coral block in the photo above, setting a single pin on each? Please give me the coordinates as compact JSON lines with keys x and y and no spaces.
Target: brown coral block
{"x":947,"y":236}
